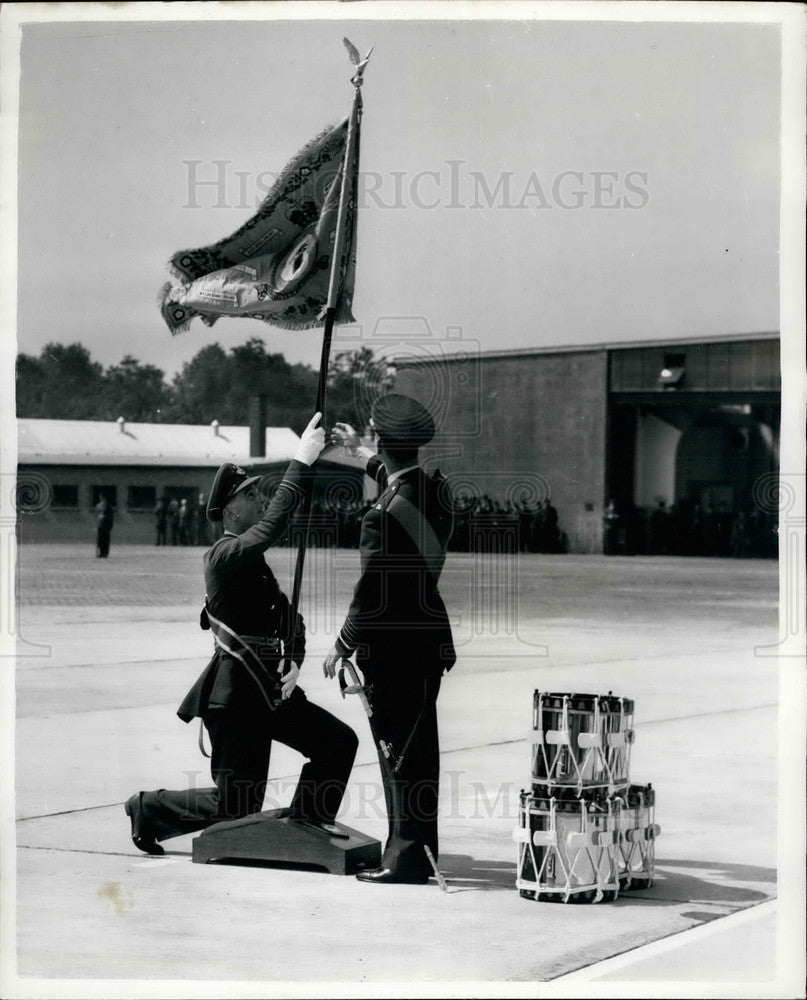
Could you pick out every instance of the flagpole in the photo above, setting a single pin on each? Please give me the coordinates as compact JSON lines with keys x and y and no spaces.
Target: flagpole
{"x":327,"y":333}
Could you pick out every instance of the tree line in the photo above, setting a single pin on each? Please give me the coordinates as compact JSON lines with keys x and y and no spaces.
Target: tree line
{"x":65,"y":383}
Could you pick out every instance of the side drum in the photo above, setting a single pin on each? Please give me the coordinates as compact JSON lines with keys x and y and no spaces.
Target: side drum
{"x":567,"y":849}
{"x":638,"y":831}
{"x":581,"y":741}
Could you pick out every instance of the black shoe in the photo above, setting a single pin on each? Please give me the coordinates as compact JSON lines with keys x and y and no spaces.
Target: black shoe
{"x":142,"y":839}
{"x":386,"y":876}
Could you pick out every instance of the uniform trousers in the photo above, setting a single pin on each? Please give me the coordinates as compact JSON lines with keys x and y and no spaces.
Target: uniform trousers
{"x":241,"y":741}
{"x":405,"y":718}
{"x":102,"y":539}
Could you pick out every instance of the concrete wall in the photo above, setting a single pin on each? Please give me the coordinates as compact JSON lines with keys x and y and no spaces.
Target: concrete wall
{"x":518,"y":427}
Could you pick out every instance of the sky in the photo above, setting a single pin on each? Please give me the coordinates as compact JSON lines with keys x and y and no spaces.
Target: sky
{"x":525,"y":183}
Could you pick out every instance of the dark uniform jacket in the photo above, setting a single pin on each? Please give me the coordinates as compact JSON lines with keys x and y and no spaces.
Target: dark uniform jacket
{"x":242,"y":592}
{"x":397,"y":622}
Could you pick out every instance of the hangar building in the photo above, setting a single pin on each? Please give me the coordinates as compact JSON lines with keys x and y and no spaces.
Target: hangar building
{"x":606,"y":430}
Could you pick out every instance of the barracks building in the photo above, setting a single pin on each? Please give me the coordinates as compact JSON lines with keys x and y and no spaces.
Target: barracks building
{"x":66,"y":466}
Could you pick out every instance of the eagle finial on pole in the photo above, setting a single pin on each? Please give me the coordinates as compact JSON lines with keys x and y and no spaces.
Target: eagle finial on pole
{"x":357,"y":61}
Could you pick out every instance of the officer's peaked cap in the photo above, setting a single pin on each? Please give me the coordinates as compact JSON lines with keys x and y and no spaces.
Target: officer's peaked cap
{"x":402,"y":420}
{"x":230,"y":479}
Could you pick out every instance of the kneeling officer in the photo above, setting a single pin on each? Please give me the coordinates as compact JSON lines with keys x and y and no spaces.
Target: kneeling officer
{"x":240,"y":697}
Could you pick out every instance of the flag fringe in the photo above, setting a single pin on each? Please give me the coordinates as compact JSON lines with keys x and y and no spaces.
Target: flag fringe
{"x":344,"y":314}
{"x":174,"y":326}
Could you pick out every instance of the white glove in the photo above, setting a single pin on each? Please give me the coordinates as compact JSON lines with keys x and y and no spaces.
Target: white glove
{"x":345,"y":435}
{"x":311,"y":443}
{"x":288,"y":681}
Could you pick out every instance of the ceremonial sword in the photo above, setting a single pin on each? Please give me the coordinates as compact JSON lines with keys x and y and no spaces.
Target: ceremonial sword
{"x":387,"y":771}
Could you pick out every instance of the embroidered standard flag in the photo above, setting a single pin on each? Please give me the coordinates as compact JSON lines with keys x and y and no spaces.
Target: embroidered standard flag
{"x":276,"y":267}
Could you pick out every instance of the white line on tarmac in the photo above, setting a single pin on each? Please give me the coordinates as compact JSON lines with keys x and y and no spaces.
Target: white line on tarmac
{"x":690,"y":936}
{"x":74,"y":850}
{"x":118,"y":663}
{"x":443,"y":753}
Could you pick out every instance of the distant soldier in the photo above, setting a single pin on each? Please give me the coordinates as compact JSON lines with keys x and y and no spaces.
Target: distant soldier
{"x":659,"y":532}
{"x":524,"y":524}
{"x":697,"y":531}
{"x":611,"y":529}
{"x":173,"y":520}
{"x":104,"y":517}
{"x":554,"y":536}
{"x":739,"y":536}
{"x":202,"y":537}
{"x":723,"y":524}
{"x":184,"y":518}
{"x":161,"y":520}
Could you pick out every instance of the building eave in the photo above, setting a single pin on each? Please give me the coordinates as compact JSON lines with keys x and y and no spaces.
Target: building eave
{"x":587,"y":348}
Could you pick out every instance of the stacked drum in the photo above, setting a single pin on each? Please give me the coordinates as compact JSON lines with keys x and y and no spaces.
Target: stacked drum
{"x":584,"y":832}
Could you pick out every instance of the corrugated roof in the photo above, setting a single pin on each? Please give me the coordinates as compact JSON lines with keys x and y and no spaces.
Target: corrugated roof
{"x":102,"y":442}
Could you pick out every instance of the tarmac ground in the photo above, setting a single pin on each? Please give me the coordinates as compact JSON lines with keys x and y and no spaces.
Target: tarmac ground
{"x":107,"y":648}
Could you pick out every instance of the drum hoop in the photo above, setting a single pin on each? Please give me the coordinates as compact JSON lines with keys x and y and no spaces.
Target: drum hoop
{"x":608,"y":703}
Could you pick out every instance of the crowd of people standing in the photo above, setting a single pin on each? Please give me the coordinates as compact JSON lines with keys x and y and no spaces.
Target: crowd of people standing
{"x":182,"y":522}
{"x":691,"y":529}
{"x":483,"y":524}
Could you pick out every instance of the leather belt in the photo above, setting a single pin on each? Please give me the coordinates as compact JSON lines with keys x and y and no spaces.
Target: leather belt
{"x":264,"y":645}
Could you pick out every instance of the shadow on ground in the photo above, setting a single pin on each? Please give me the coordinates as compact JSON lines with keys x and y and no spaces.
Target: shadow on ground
{"x":463,"y":872}
{"x":717,"y":882}
{"x":675,"y":883}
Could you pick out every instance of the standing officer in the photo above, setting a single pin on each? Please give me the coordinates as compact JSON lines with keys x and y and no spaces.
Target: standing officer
{"x":173,"y":519}
{"x":184,"y":522}
{"x":104,"y":516}
{"x":398,"y":627}
{"x":161,"y":519}
{"x":247,"y":613}
{"x":201,"y":520}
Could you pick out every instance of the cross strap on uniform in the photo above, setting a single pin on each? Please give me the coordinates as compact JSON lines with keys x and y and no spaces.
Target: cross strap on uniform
{"x":230,"y":642}
{"x":417,"y":526}
{"x":202,"y":750}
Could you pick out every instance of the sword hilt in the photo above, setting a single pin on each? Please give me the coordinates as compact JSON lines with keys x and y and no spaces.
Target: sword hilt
{"x":356,"y":687}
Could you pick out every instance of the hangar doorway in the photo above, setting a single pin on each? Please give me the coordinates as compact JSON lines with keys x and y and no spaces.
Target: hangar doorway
{"x":691,"y":427}
{"x":722,"y":455}
{"x":681,"y":477}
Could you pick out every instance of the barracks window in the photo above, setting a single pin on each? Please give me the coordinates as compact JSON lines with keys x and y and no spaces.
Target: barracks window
{"x":142,"y":497}
{"x":65,"y":497}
